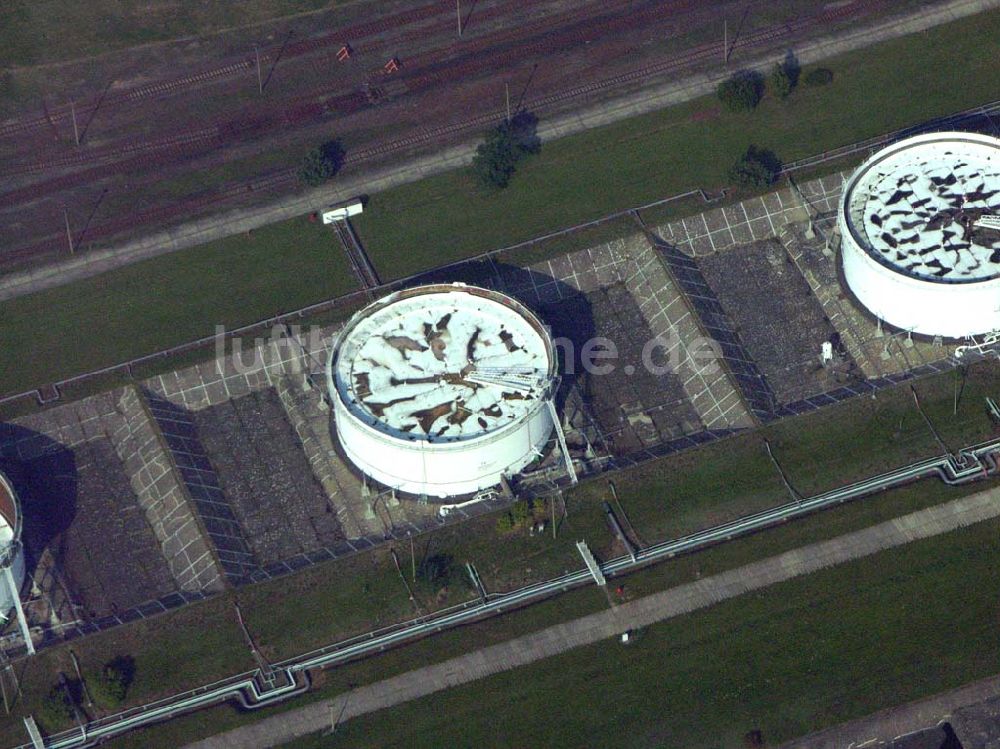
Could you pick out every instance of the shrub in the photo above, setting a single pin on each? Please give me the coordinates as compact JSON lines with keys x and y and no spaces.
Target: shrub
{"x":819,"y":77}
{"x":742,"y":91}
{"x":497,"y":157}
{"x":111,"y":685}
{"x":781,"y":81}
{"x":57,"y":707}
{"x":520,"y":512}
{"x":437,"y":570}
{"x":505,"y":523}
{"x":321,"y":163}
{"x":757,"y":168}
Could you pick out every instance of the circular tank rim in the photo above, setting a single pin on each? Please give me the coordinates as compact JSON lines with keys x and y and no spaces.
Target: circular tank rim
{"x":874,"y":160}
{"x":10,"y":504}
{"x":892,"y":327}
{"x":422,"y":443}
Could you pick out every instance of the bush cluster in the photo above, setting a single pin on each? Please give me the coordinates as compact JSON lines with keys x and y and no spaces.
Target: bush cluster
{"x":757,"y":168}
{"x":522,"y":512}
{"x":107,"y":689}
{"x":112,"y":683}
{"x":321,"y":163}
{"x":742,"y":91}
{"x":57,"y":707}
{"x":505,"y":146}
{"x":785,"y":76}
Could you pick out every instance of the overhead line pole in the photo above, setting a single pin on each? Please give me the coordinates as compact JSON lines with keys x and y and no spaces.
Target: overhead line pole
{"x":260,"y":78}
{"x":69,"y":232}
{"x":76,"y":129}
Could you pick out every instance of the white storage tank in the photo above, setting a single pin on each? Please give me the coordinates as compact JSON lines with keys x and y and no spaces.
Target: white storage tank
{"x":11,"y":553}
{"x":441,"y":390}
{"x":920,"y":249}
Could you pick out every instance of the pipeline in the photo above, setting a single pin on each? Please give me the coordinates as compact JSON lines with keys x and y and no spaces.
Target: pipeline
{"x":251,"y":690}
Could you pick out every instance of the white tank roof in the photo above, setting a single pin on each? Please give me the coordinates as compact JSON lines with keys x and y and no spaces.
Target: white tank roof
{"x":913,"y":207}
{"x":443,"y":363}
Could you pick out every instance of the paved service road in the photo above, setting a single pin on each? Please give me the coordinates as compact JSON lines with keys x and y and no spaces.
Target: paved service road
{"x":643,"y":612}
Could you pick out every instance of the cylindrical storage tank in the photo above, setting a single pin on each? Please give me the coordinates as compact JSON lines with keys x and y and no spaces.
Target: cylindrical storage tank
{"x":441,"y":390}
{"x":11,"y":553}
{"x":916,"y":251}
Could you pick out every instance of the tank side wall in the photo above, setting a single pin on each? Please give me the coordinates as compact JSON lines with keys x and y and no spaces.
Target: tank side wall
{"x":18,"y":570}
{"x":446,"y":469}
{"x":8,"y":507}
{"x":949,"y":310}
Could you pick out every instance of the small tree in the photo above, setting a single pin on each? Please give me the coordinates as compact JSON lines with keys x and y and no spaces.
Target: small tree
{"x":505,"y":523}
{"x":321,"y":163}
{"x":781,"y":81}
{"x":819,"y":77}
{"x":497,"y":157}
{"x":742,"y":91}
{"x":757,"y":168}
{"x":521,"y":511}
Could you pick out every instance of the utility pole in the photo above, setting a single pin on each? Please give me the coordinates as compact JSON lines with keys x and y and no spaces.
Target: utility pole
{"x":413,"y":559}
{"x":506,"y":88}
{"x":3,"y":686}
{"x":76,"y":130}
{"x":959,"y":381}
{"x":260,"y":78}
{"x":79,"y":676}
{"x":725,"y":41}
{"x":458,"y":15}
{"x":262,"y":664}
{"x":69,"y":232}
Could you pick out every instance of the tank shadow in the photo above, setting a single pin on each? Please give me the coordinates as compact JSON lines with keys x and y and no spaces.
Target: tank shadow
{"x":43,"y":473}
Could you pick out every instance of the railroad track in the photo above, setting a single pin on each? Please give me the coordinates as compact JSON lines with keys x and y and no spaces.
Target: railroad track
{"x":60,"y":116}
{"x":210,"y":137}
{"x":310,"y":105}
{"x":323,"y":102}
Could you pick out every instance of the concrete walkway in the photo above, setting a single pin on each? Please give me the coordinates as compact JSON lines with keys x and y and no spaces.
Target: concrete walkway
{"x":608,"y":624}
{"x":963,"y":707}
{"x":593,"y":114}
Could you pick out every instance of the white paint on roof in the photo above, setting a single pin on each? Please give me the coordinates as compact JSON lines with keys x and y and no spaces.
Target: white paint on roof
{"x":916,"y":208}
{"x":444,"y":366}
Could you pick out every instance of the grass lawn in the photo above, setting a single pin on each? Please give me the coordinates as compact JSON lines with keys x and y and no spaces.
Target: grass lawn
{"x":787,"y":660}
{"x":664,"y":498}
{"x":168,"y":658}
{"x":645,"y":158}
{"x":169,"y":300}
{"x":163,"y":302}
{"x":573,"y":604}
{"x":40,"y":31}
